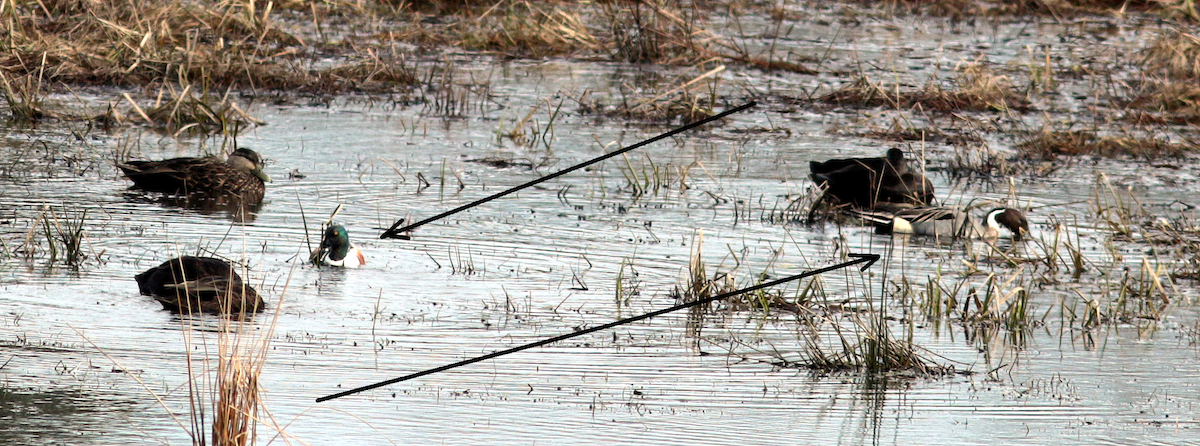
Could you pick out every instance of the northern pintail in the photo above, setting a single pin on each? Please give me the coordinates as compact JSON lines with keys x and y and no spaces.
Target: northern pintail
{"x":944,"y":221}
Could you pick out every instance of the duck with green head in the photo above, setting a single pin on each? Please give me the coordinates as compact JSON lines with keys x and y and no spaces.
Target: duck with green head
{"x":336,"y":249}
{"x":241,"y":174}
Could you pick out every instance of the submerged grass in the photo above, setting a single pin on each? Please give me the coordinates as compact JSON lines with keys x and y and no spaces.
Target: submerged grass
{"x":835,"y":337}
{"x":57,"y":235}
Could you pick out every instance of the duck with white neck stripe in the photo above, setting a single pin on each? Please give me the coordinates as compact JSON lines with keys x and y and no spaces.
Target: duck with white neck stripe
{"x":948,"y":222}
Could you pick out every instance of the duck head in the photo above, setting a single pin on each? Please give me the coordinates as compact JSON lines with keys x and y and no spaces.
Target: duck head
{"x":895,"y":157}
{"x":1011,"y":219}
{"x":335,"y":244}
{"x":248,"y":160}
{"x":336,"y":249}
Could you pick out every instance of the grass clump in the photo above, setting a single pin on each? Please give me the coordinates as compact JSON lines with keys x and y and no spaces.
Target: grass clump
{"x":981,"y":160}
{"x":524,"y":29}
{"x":57,"y":236}
{"x":975,"y":88}
{"x":240,"y":44}
{"x":690,"y":100}
{"x":196,"y":113}
{"x":1175,"y":54}
{"x":1049,"y":145}
{"x":1172,"y":94}
{"x":24,"y":99}
{"x":1167,"y":102}
{"x":653,"y":32}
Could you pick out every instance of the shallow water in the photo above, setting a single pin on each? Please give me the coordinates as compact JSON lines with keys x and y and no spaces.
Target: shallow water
{"x":545,"y":262}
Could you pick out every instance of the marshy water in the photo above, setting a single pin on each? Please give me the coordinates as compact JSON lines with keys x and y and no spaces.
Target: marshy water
{"x":1107,"y":356}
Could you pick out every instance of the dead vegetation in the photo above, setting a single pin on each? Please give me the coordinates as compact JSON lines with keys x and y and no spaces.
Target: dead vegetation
{"x":1175,"y":55}
{"x":527,"y":30}
{"x":686,"y":101}
{"x":653,"y":32}
{"x":337,"y":47}
{"x":1177,"y":9}
{"x":1171,"y":92}
{"x":1049,"y":145}
{"x":975,"y":88}
{"x":903,"y":131}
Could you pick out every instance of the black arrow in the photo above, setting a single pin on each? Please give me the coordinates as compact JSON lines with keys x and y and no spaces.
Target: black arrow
{"x":392,"y":232}
{"x":869,"y":259}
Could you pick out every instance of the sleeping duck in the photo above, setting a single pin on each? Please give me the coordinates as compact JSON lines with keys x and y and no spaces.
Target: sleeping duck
{"x":866,"y":182}
{"x":192,"y":284}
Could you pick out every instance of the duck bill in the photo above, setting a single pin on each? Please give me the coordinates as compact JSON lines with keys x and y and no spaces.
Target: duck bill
{"x":262,"y":175}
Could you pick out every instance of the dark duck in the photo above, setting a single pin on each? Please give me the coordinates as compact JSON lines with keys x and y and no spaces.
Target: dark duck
{"x":240,"y":174}
{"x":870,"y":182}
{"x":199,"y":284}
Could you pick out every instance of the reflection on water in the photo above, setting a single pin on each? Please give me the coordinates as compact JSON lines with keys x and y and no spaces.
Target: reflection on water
{"x":30,"y":416}
{"x":233,"y":207}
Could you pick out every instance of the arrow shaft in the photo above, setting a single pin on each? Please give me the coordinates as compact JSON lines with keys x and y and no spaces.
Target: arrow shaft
{"x":392,"y":232}
{"x":861,"y":259}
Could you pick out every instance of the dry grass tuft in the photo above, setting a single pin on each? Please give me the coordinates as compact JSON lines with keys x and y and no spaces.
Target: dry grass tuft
{"x":974,"y":89}
{"x":24,"y":99}
{"x":523,"y":29}
{"x":233,"y":395}
{"x":1175,"y":55}
{"x":190,"y":113}
{"x":1172,"y":96}
{"x":654,"y":32}
{"x":236,"y":406}
{"x":690,"y":101}
{"x":1049,"y":145}
{"x":1166,"y":102}
{"x":980,"y":160}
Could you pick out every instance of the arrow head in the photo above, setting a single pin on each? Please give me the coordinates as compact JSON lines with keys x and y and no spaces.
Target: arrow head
{"x":869,"y":258}
{"x":393,"y":233}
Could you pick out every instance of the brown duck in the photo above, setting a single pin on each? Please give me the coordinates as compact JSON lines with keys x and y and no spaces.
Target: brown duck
{"x":241,"y":174}
{"x":194,"y":284}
